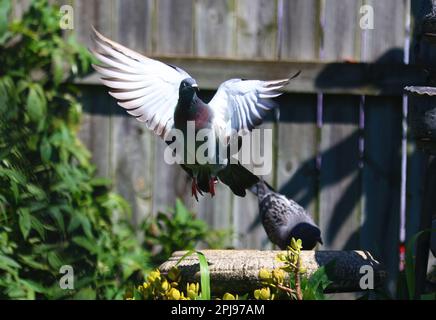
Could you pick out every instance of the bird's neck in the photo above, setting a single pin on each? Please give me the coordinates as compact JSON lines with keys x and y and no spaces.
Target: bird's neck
{"x":186,"y":110}
{"x":187,"y":100}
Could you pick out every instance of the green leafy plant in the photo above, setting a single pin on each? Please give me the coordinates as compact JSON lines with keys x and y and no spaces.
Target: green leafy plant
{"x":53,"y":211}
{"x":179,"y":229}
{"x":410,"y":266}
{"x":299,"y":286}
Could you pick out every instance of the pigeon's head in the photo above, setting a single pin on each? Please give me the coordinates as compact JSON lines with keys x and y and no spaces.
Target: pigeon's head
{"x":309,"y":234}
{"x":188,"y":87}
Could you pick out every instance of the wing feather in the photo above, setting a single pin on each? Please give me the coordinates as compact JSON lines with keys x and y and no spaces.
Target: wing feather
{"x":148,"y":89}
{"x":242,"y":104}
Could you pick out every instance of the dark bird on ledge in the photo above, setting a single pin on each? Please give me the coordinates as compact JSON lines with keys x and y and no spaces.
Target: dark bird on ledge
{"x":164,"y":97}
{"x":284,"y":219}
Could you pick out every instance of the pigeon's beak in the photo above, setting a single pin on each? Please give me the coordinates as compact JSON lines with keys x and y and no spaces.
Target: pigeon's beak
{"x":320,"y":241}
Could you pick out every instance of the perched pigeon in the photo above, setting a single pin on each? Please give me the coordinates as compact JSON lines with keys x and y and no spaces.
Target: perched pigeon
{"x":164,"y":97}
{"x":284,"y":219}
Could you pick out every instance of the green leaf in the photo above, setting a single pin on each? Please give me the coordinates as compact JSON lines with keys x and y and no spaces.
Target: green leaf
{"x":410,"y":263}
{"x":56,"y":214}
{"x":35,"y":106}
{"x":85,"y":243}
{"x":45,"y":150}
{"x":38,"y":226}
{"x":204,"y":273}
{"x":204,"y":277}
{"x":5,"y":6}
{"x":6,"y":262}
{"x":24,"y":222}
{"x":33,"y":285}
{"x":182,"y":213}
{"x":85,"y":294}
{"x":58,"y":66}
{"x":54,"y":260}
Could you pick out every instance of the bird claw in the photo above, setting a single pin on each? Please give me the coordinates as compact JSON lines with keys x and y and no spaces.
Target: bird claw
{"x":194,"y":188}
{"x":212,"y":182}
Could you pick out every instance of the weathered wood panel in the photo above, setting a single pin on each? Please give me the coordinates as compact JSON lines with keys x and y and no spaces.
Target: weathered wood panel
{"x":340,"y":180}
{"x":132,"y":164}
{"x":256,"y":28}
{"x":382,"y":166}
{"x":300,"y":37}
{"x":175,"y":28}
{"x":135,"y":24}
{"x":341,"y":30}
{"x":297,"y":175}
{"x":385,"y":43}
{"x":132,"y":156}
{"x":215,"y":24}
{"x":98,"y":13}
{"x":96,"y":127}
{"x":381,"y":181}
{"x":337,"y":78}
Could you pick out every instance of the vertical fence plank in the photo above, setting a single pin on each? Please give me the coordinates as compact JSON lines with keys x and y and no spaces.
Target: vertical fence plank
{"x":135,"y":24}
{"x":174,"y":27}
{"x":256,"y":38}
{"x":382,"y":166}
{"x":256,"y":28}
{"x":340,"y":176}
{"x":96,"y":120}
{"x":215,"y":26}
{"x":132,"y":163}
{"x":382,"y":179}
{"x":385,"y":42}
{"x":341,"y":30}
{"x":297,"y":176}
{"x":98,"y":13}
{"x":95,"y":130}
{"x":301,"y":31}
{"x":132,"y":143}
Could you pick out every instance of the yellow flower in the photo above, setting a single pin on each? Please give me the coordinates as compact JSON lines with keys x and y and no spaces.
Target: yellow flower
{"x":229,"y":296}
{"x":281,"y":257}
{"x":296,"y":244}
{"x":264,"y":274}
{"x":173,"y":294}
{"x":278,"y":275}
{"x":165,"y":285}
{"x":262,"y":294}
{"x":154,"y":276}
{"x":192,"y":290}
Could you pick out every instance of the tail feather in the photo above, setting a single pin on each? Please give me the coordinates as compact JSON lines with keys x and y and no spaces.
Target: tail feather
{"x":238,"y":178}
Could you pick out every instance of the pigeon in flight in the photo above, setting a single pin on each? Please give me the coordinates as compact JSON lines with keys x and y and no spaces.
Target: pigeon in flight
{"x":164,"y":97}
{"x":284,"y":219}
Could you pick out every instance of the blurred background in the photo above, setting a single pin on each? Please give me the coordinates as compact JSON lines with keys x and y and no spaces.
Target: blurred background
{"x":340,"y":146}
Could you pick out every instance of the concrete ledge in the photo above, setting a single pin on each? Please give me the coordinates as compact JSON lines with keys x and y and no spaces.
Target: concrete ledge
{"x":237,"y":271}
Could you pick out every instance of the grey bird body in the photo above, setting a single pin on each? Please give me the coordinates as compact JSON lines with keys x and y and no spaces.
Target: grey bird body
{"x":284,"y":219}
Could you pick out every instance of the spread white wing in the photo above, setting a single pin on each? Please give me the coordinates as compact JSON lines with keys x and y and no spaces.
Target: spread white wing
{"x":148,"y":89}
{"x":242,"y":105}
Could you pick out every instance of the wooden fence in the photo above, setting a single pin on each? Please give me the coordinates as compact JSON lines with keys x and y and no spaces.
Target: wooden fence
{"x":339,"y":147}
